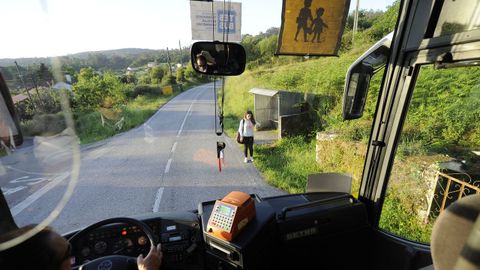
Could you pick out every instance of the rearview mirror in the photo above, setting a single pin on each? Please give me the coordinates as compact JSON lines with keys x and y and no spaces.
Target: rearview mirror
{"x":10,"y":133}
{"x":218,"y":58}
{"x":359,"y":75}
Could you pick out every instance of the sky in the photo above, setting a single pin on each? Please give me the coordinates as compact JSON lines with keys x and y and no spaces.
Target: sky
{"x":42,"y":28}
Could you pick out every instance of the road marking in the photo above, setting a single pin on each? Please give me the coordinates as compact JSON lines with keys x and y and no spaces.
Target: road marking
{"x":166,"y":106}
{"x":9,"y":191}
{"x":158,"y":198}
{"x":35,"y":173}
{"x":188,"y":113}
{"x":27,"y":179}
{"x":35,"y":196}
{"x":167,"y":168}
{"x":184,"y":120}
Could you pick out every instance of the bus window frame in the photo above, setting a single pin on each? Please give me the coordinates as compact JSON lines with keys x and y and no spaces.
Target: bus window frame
{"x":410,"y":75}
{"x":7,"y":97}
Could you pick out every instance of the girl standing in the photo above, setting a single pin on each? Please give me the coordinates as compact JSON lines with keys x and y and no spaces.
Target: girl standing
{"x":246,"y":132}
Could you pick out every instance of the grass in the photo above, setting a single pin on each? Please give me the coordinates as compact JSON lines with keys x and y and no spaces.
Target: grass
{"x":120,"y":118}
{"x":90,"y":128}
{"x":89,"y":125}
{"x":401,"y":220}
{"x":287,"y":163}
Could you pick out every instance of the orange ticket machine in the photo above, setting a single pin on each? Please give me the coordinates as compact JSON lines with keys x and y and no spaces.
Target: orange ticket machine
{"x":230,"y":215}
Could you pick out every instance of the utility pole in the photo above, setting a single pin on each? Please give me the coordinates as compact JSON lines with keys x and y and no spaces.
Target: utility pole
{"x":181,"y":56}
{"x":168,"y":60}
{"x":25,"y":87}
{"x":36,"y":89}
{"x":355,"y":21}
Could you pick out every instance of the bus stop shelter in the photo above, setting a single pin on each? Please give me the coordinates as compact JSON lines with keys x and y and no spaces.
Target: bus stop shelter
{"x":270,"y":105}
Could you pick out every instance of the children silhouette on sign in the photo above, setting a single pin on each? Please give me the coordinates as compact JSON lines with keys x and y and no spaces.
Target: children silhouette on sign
{"x":302,"y":20}
{"x":318,"y":24}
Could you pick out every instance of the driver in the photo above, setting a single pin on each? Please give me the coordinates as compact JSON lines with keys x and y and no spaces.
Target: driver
{"x":205,"y":62}
{"x":202,"y":64}
{"x":48,"y":250}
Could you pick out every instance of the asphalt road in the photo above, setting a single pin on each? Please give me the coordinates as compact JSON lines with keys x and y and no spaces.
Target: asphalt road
{"x":167,"y":164}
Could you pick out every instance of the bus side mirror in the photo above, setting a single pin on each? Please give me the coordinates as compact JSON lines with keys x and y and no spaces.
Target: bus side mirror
{"x":218,"y":58}
{"x":356,"y":89}
{"x":359,"y":75}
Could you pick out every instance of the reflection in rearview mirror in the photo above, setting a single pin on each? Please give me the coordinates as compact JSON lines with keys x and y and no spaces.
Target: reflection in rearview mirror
{"x":218,"y":58}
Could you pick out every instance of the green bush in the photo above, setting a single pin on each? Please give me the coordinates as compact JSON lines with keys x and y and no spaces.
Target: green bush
{"x":144,"y":89}
{"x":94,"y":90}
{"x":46,"y":101}
{"x":180,"y":74}
{"x":157,"y":74}
{"x":168,"y":80}
{"x":189,"y":72}
{"x":44,"y":125}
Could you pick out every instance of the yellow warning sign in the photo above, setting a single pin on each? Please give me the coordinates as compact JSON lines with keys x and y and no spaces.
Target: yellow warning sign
{"x":167,"y":90}
{"x":312,"y":27}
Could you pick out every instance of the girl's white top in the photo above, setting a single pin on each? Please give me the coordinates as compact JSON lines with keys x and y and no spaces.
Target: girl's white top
{"x":247,"y":128}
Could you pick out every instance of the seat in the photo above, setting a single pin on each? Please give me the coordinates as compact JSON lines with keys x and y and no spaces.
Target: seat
{"x":329,"y":182}
{"x":455,"y":241}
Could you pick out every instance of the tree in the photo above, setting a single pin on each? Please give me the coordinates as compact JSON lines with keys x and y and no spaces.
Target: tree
{"x":156,"y":74}
{"x":181,"y":74}
{"x":169,"y":80}
{"x":189,"y":72}
{"x":44,"y":75}
{"x":129,"y":78}
{"x":385,"y":23}
{"x":366,"y":18}
{"x":87,"y":93}
{"x":145,"y":79}
{"x":93,"y":90}
{"x":7,"y":73}
{"x":268,"y":46}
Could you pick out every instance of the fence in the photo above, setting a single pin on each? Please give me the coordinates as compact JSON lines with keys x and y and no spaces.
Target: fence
{"x":450,"y":189}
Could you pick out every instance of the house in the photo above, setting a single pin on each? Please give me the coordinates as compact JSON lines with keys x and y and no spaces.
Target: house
{"x":19,"y":98}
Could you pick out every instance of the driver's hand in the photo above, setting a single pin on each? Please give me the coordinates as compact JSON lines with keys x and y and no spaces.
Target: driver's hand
{"x":153,"y":261}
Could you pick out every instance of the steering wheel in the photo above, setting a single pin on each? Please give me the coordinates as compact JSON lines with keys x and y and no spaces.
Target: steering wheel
{"x":117,"y":262}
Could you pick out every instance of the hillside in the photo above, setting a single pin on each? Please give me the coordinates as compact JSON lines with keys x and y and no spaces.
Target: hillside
{"x":82,"y":55}
{"x":110,"y":53}
{"x":113,"y":60}
{"x":288,"y":163}
{"x":442,"y":124}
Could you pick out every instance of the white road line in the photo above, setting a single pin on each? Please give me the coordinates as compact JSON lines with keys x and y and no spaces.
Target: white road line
{"x":164,"y":107}
{"x":167,"y":168}
{"x":158,"y":198}
{"x":184,"y":120}
{"x":187,"y":114}
{"x":34,"y":173}
{"x":9,"y":191}
{"x":35,"y":196}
